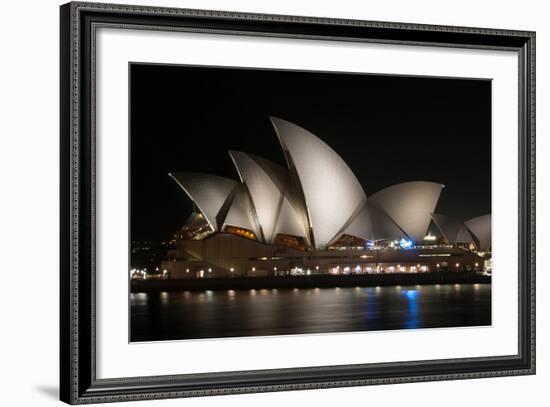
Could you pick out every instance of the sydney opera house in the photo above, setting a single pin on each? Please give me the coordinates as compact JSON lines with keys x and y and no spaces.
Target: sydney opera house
{"x":314,"y":217}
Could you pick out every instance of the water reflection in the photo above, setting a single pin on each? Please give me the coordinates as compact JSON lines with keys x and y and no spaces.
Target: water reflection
{"x":371,"y":314}
{"x":413,"y":320}
{"x":207,"y":314}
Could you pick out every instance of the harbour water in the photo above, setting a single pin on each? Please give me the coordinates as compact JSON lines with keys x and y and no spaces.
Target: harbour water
{"x":260,"y":312}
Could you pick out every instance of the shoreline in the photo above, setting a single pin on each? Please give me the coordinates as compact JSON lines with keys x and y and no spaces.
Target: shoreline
{"x":313,"y":281}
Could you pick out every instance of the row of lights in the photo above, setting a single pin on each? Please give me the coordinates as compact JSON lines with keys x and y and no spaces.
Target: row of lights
{"x":346,"y":268}
{"x":143,"y":272}
{"x":252,"y":269}
{"x":134,"y":270}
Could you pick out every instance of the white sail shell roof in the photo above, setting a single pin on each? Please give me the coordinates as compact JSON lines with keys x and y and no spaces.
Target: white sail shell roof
{"x":448,"y":227}
{"x":265,"y":182}
{"x":209,"y":192}
{"x":452,"y":229}
{"x":289,"y":222}
{"x":410,"y":205}
{"x":319,"y":199}
{"x":383,"y":227}
{"x":466,"y":236}
{"x":240,"y":213}
{"x":331,"y":191}
{"x":481,"y":228}
{"x":361,"y":225}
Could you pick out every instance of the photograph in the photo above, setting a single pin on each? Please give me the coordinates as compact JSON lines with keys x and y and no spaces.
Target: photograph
{"x":267,"y":202}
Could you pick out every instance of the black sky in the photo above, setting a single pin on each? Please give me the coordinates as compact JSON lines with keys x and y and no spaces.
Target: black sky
{"x":388,"y":130}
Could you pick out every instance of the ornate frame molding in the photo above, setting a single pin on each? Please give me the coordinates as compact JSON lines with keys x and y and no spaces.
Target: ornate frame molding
{"x":78,"y":380}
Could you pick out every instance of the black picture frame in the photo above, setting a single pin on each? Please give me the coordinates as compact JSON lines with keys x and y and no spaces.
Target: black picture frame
{"x":78,"y":381}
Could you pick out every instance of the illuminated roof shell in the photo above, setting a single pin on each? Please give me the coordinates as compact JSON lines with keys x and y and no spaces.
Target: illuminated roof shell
{"x":409,"y":205}
{"x":209,"y":192}
{"x":289,"y":222}
{"x":266,"y":182}
{"x":241,"y":213}
{"x":383,"y":227}
{"x":453,"y":230}
{"x":330,"y":189}
{"x":319,"y":199}
{"x":372,"y":223}
{"x":359,"y":225}
{"x":481,"y":228}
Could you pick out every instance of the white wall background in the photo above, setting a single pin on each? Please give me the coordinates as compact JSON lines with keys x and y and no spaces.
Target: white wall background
{"x":29,"y":163}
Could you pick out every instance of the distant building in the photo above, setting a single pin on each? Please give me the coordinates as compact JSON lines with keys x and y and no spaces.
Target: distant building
{"x":314,"y":217}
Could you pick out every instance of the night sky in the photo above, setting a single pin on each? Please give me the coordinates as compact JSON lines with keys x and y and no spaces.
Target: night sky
{"x":388,"y":130}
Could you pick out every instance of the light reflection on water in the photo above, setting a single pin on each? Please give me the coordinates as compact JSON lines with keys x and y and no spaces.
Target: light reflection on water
{"x":225,"y":313}
{"x":413,"y":320}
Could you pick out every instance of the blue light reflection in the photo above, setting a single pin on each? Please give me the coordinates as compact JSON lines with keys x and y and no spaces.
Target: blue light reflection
{"x":413,"y":319}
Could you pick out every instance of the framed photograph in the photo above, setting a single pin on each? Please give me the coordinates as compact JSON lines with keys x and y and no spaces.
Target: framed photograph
{"x":255,"y":203}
